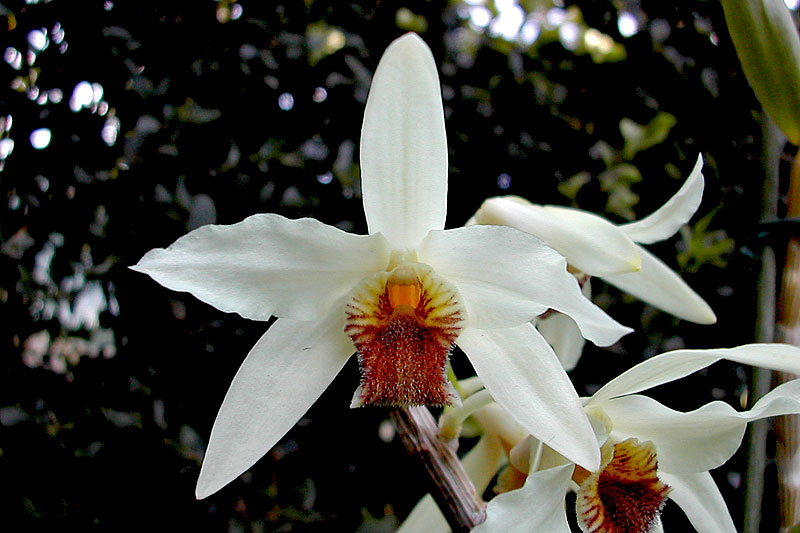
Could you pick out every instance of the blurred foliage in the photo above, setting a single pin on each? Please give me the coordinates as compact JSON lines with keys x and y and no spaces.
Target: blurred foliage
{"x":163,"y":116}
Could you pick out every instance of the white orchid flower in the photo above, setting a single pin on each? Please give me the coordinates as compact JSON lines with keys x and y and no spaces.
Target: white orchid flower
{"x":595,"y":247}
{"x":400,"y":296}
{"x":650,"y":452}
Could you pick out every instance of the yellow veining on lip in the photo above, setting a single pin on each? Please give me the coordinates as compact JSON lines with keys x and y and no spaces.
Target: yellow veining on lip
{"x":403,"y":324}
{"x":625,"y":496}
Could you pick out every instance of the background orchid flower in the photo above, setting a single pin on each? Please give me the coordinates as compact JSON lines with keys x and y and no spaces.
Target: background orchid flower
{"x":595,"y":247}
{"x":400,"y":296}
{"x":658,"y":452}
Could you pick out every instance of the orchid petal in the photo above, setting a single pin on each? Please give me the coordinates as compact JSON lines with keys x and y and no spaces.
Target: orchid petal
{"x":674,"y":365}
{"x":660,"y":286}
{"x":481,"y":464}
{"x":564,"y":335}
{"x":507,"y":277}
{"x":282,"y":376}
{"x":537,"y":506}
{"x":404,"y":146}
{"x":267,"y":265}
{"x":524,"y":377}
{"x":425,"y":516}
{"x":590,"y":243}
{"x":678,"y":210}
{"x":700,"y":499}
{"x":699,"y":440}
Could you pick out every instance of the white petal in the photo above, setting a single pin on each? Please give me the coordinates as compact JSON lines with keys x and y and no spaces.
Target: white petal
{"x":700,"y":499}
{"x":668,"y":219}
{"x":589,"y":242}
{"x":564,"y":335}
{"x":702,"y":439}
{"x":537,"y":506}
{"x":685,"y":442}
{"x":507,"y":277}
{"x":267,"y":265}
{"x":425,"y":516}
{"x":404,"y":146}
{"x":674,"y":365}
{"x":660,"y":286}
{"x":523,"y":375}
{"x":282,"y":376}
{"x":481,"y":464}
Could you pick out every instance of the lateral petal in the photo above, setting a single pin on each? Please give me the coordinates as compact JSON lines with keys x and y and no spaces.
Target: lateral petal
{"x":507,"y":277}
{"x":404,"y":145}
{"x":537,"y":506}
{"x":564,"y":335}
{"x":678,"y":210}
{"x":700,"y":499}
{"x":282,"y":376}
{"x":521,"y":372}
{"x":676,"y":364}
{"x":589,"y":242}
{"x":699,"y":440}
{"x":661,"y":287}
{"x":267,"y":265}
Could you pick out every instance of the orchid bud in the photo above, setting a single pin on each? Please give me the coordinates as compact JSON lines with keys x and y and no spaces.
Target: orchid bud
{"x":768,"y":47}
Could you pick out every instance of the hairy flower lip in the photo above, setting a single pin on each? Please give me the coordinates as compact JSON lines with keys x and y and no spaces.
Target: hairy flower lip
{"x":403,"y":324}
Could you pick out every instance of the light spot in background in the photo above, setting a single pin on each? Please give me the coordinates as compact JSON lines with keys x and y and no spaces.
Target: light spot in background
{"x":286,"y":101}
{"x":82,"y":96}
{"x":530,"y":32}
{"x":628,"y":24}
{"x":108,"y":5}
{"x":792,"y":4}
{"x":57,"y":33}
{"x":110,"y":130}
{"x":13,"y":58}
{"x":40,"y":138}
{"x":236,"y":11}
{"x":37,"y":39}
{"x":320,"y":94}
{"x":504,"y":181}
{"x":6,"y":147}
{"x":325,"y":178}
{"x":555,"y":17}
{"x":480,"y":17}
{"x":508,"y":21}
{"x":569,"y":34}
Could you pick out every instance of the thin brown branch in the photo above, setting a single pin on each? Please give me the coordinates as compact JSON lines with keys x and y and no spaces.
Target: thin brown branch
{"x":453,"y":491}
{"x":787,"y":428}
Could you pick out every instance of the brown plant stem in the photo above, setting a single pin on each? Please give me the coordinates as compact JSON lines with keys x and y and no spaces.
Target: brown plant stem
{"x":453,"y":491}
{"x":787,"y":428}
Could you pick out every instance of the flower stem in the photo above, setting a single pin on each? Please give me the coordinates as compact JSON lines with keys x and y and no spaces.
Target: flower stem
{"x":453,"y":491}
{"x":451,"y":421}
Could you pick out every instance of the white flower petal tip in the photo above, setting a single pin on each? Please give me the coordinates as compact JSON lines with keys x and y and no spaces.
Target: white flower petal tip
{"x":661,"y":287}
{"x":589,"y":243}
{"x":404,"y":146}
{"x":678,"y":210}
{"x":267,"y":265}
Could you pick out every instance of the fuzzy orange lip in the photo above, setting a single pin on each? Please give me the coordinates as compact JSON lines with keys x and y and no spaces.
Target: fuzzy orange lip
{"x":626,"y":495}
{"x":403,"y":324}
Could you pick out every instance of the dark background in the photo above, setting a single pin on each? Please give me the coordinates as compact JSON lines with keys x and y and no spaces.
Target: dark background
{"x":106,"y":430}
